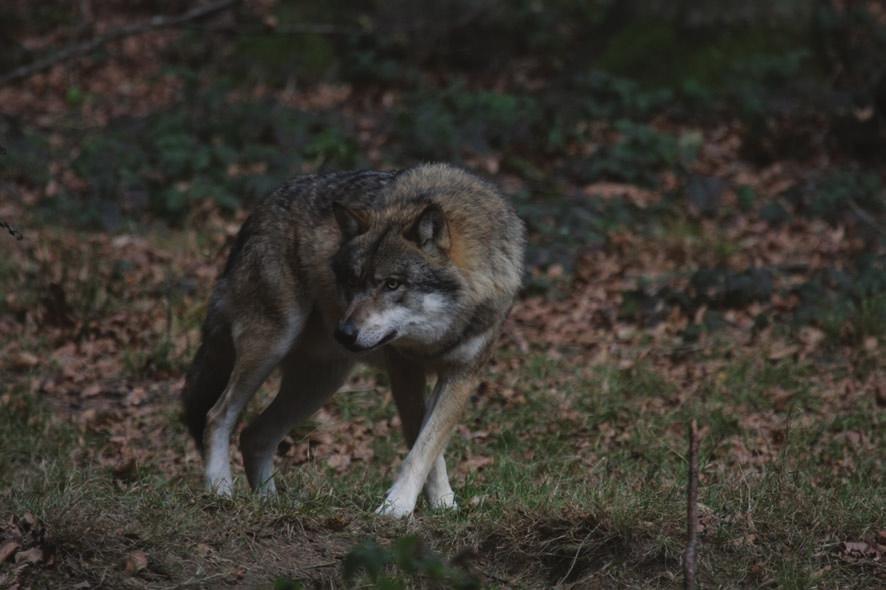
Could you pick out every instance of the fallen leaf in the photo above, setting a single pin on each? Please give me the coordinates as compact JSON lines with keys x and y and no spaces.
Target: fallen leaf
{"x":614,"y":190}
{"x":476,"y":501}
{"x":781,"y":398}
{"x":136,"y":562}
{"x":24,"y":360}
{"x":781,"y":350}
{"x":7,"y":550}
{"x":859,"y":550}
{"x":32,"y":555}
{"x":339,"y":461}
{"x":625,"y":332}
{"x":811,"y":338}
{"x":363,"y":453}
{"x":126,"y":470}
{"x":92,"y":390}
{"x":136,"y":397}
{"x":321,"y":437}
{"x":477,"y":463}
{"x":29,"y":520}
{"x":336,"y":523}
{"x":203,"y":549}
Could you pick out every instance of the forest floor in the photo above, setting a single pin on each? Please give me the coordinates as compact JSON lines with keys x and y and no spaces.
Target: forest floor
{"x":723,"y":296}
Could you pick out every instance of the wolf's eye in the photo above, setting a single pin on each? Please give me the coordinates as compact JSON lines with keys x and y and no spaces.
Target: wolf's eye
{"x":392,"y":284}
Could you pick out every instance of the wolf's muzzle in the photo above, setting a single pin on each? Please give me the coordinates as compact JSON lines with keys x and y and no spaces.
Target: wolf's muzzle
{"x":346,"y":333}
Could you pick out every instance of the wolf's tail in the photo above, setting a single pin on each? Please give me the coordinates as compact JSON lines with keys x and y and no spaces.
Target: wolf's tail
{"x":208,"y":375}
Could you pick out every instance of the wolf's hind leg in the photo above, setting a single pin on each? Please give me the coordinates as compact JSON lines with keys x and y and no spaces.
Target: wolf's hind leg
{"x":408,"y":390}
{"x":306,"y":384}
{"x":258,"y":350}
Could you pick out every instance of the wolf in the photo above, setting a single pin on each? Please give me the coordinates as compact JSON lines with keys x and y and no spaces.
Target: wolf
{"x":412,"y":271}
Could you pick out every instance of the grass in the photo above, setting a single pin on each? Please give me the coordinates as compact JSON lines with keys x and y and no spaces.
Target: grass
{"x":586,"y":485}
{"x":569,"y":471}
{"x":569,"y":467}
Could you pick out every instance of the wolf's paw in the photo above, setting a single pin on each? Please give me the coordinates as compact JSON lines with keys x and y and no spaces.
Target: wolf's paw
{"x":394,"y":507}
{"x":267,"y":490}
{"x":444,"y":501}
{"x":223,"y":487}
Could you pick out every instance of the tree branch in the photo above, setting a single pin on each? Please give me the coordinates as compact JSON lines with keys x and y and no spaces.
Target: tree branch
{"x":689,"y":558}
{"x":12,"y":230}
{"x":81,"y":49}
{"x":281,"y":30}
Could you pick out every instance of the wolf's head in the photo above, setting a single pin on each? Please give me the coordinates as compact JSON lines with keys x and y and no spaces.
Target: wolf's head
{"x":395,"y":278}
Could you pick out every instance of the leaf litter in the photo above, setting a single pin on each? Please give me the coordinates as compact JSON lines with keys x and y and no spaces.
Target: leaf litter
{"x":105,"y":325}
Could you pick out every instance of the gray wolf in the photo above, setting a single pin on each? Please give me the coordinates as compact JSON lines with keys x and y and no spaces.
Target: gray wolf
{"x":412,"y":271}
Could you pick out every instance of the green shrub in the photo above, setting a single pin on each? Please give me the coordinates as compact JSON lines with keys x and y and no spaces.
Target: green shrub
{"x":204,"y":148}
{"x":405,"y":560}
{"x":640,"y":153}
{"x":449,"y":123}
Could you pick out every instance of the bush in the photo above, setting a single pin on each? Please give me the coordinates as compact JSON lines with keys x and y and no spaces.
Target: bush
{"x":450,"y":123}
{"x":406,"y":559}
{"x":230,"y":153}
{"x":639,"y":154}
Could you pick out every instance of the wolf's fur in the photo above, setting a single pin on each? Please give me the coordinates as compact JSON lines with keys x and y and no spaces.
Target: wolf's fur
{"x":412,"y":270}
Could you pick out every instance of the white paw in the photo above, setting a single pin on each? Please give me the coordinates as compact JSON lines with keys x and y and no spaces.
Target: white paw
{"x":267,"y":489}
{"x":222,"y":487}
{"x":444,"y":501}
{"x":395,"y":507}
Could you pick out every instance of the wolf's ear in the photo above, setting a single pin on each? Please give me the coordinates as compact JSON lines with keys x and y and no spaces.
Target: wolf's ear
{"x":351,"y":223}
{"x":430,"y":230}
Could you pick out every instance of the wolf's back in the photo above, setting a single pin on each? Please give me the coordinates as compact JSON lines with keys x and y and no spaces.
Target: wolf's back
{"x":298,"y":203}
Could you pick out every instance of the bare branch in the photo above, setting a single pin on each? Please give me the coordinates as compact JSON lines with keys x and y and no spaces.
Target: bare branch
{"x":81,"y":49}
{"x":689,"y":558}
{"x":281,"y":30}
{"x":15,"y":233}
{"x":865,"y":216}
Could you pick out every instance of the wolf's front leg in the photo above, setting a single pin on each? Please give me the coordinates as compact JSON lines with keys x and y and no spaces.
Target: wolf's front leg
{"x":408,"y":388}
{"x":450,"y":395}
{"x":437,"y":489}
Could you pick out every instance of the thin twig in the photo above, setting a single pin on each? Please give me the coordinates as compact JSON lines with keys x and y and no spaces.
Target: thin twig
{"x":85,"y":48}
{"x":689,"y":558}
{"x":508,"y":583}
{"x":283,"y":30}
{"x":865,"y":216}
{"x":575,"y":557}
{"x":13,"y":231}
{"x":321,"y":565}
{"x":200,"y":581}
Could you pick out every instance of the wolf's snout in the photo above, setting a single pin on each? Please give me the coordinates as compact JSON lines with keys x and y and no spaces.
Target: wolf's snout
{"x":346,"y":333}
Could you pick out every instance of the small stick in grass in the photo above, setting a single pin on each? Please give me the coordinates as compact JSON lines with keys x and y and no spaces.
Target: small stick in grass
{"x":11,"y":228}
{"x":689,"y":557}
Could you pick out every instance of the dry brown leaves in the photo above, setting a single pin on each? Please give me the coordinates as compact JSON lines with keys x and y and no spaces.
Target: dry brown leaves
{"x":23,"y":544}
{"x":80,"y":317}
{"x":864,"y":551}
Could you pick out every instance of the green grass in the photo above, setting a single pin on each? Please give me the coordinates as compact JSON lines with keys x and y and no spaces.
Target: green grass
{"x":586,"y":484}
{"x":582,"y":466}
